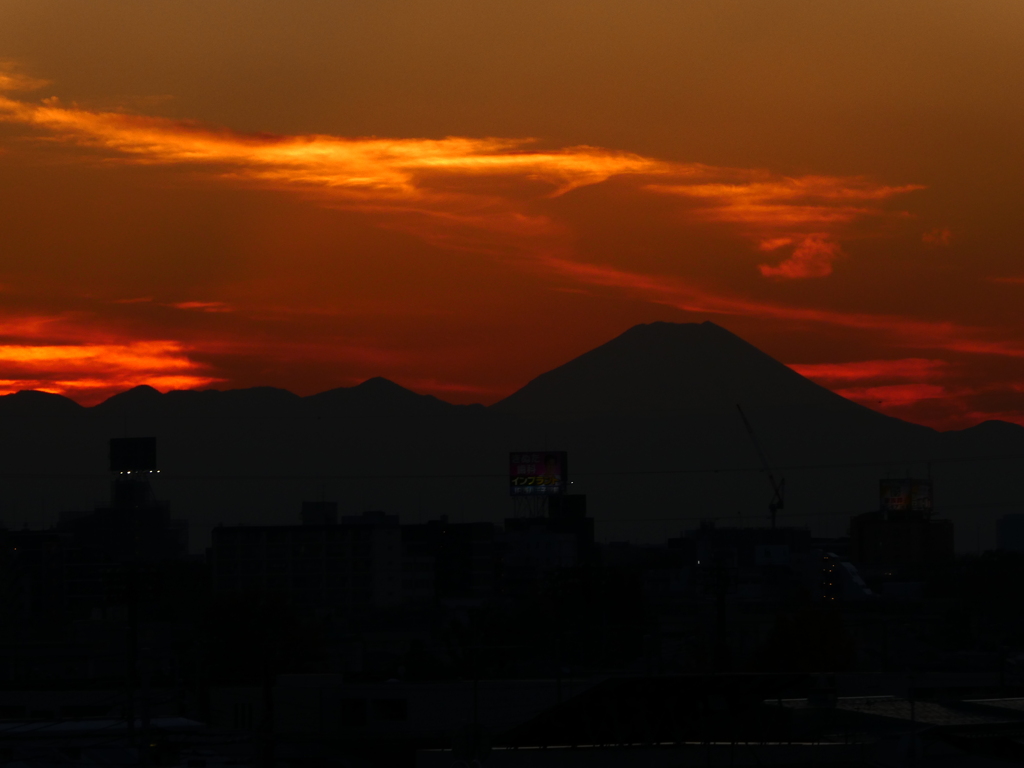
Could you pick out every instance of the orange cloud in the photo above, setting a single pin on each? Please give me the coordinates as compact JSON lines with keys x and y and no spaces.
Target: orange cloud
{"x":444,"y":190}
{"x":931,"y":391}
{"x":774,"y":243}
{"x":761,"y":200}
{"x":893,"y":395}
{"x":976,"y":417}
{"x":12,"y":80}
{"x":203,"y":306}
{"x":898,"y":398}
{"x":489,"y":196}
{"x":93,"y":371}
{"x":370,"y":169}
{"x":447,"y":388}
{"x":673,"y":292}
{"x":810,"y":213}
{"x":812,"y":257}
{"x":941,"y":236}
{"x":864,"y":370}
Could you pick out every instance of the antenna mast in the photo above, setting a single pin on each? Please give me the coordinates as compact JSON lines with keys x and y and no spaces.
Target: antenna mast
{"x":778,"y":487}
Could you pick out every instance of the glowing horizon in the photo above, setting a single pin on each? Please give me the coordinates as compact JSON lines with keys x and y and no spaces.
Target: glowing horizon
{"x":270,"y":217}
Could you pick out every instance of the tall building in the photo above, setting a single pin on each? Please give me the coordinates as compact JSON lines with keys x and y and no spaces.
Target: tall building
{"x":76,"y":567}
{"x":135,"y":528}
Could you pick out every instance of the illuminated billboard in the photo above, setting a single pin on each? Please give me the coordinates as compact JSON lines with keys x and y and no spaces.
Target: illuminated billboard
{"x":895,"y":495}
{"x":921,"y":495}
{"x":900,"y":495}
{"x":538,"y":473}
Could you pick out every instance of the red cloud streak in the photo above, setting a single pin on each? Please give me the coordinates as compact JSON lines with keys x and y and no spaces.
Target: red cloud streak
{"x":504,"y":201}
{"x":434,"y":184}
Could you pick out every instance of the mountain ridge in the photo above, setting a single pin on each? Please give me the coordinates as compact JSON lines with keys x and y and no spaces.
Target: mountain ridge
{"x":603,"y":380}
{"x":251,"y":455}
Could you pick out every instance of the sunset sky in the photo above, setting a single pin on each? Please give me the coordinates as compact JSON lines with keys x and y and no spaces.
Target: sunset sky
{"x":459,"y":196}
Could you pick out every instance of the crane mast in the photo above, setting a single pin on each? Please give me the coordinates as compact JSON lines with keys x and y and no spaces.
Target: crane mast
{"x":778,"y":487}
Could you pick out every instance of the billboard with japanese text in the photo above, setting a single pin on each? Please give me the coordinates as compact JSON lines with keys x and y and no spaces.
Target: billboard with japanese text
{"x":538,"y":473}
{"x":902,"y":494}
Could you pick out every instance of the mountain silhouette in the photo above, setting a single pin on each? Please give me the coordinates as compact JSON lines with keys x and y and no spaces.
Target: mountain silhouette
{"x":33,"y":402}
{"x":649,"y":420}
{"x":379,"y":397}
{"x":663,"y":369}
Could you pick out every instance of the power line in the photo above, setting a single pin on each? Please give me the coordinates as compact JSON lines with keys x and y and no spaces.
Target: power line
{"x":504,"y":475}
{"x":725,"y":518}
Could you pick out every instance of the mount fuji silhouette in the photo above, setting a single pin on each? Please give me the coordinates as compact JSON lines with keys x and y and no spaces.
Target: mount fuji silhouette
{"x":663,"y":369}
{"x":650,"y":421}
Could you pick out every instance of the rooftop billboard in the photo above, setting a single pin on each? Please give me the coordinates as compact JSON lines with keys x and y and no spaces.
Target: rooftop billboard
{"x":538,"y":473}
{"x":900,"y":495}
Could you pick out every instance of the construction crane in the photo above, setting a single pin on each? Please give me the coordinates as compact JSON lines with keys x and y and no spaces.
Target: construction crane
{"x":778,"y":487}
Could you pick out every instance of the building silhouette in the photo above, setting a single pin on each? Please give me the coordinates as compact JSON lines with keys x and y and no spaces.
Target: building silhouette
{"x":352,"y":564}
{"x":902,"y":535}
{"x":1010,"y":533}
{"x":452,"y":562}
